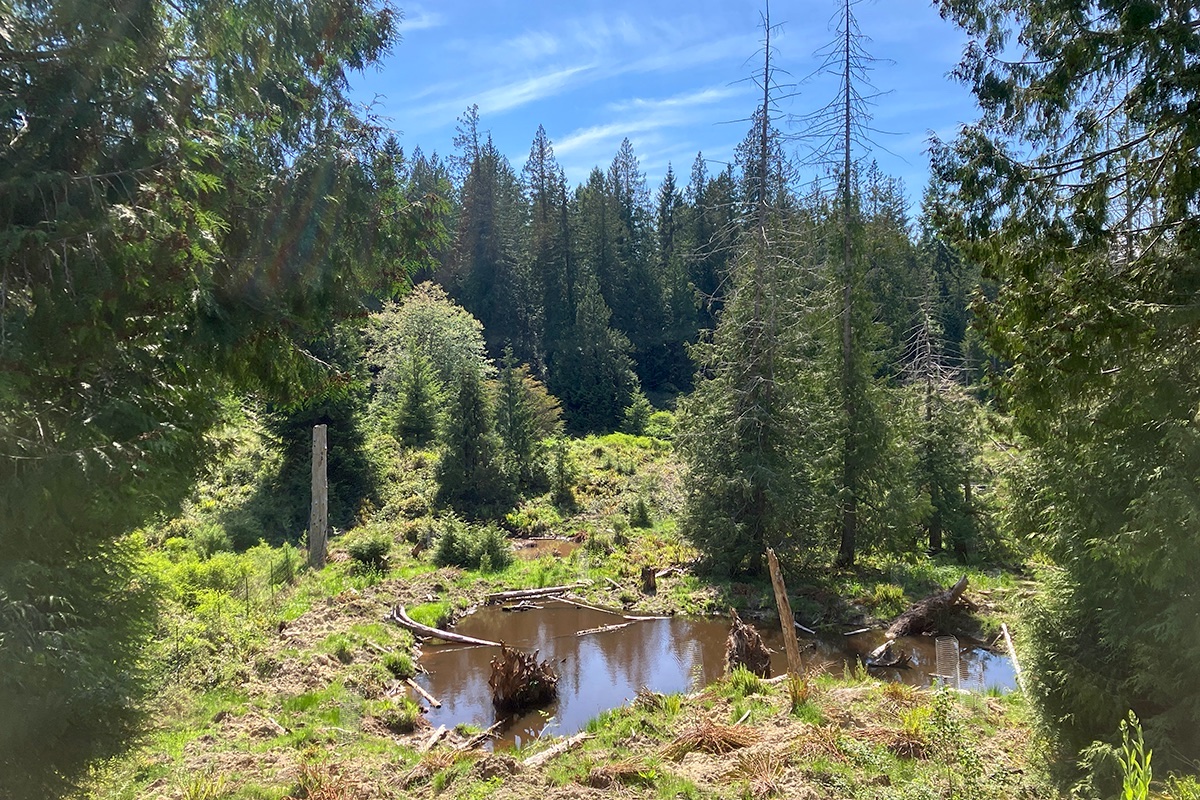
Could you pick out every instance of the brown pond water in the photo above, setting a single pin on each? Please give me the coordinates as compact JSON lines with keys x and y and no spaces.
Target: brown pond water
{"x":604,"y":670}
{"x":536,"y":548}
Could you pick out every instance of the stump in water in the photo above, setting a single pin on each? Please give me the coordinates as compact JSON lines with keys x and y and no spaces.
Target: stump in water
{"x":519,"y":682}
{"x":745,"y":648}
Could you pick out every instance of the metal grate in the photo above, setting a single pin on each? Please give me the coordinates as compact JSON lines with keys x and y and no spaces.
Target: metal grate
{"x":946,"y":649}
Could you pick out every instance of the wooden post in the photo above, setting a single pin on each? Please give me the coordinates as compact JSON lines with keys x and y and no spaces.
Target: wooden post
{"x":795,"y":663}
{"x":318,"y":518}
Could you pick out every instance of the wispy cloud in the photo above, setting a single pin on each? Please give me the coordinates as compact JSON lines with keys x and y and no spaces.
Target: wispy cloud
{"x":417,"y":18}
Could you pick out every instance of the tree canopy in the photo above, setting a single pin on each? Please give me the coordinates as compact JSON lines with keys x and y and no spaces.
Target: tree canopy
{"x":188,"y":198}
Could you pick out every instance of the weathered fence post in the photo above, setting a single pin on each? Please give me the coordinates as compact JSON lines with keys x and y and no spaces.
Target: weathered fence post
{"x":318,"y":518}
{"x":795,"y":664}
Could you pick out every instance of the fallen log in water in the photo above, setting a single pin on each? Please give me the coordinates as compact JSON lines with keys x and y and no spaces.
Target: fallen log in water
{"x":580,"y":604}
{"x":401,"y":618}
{"x":927,"y":614}
{"x":604,"y":629}
{"x":481,"y":737}
{"x":522,"y":594}
{"x":416,"y":687}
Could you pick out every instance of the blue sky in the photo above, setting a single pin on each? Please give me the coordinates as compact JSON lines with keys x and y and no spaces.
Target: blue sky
{"x":668,"y":74}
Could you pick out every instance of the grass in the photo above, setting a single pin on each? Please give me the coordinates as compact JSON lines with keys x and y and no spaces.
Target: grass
{"x":262,"y":656}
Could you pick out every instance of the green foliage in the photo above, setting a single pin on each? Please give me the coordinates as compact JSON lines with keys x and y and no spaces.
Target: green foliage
{"x":637,"y":415}
{"x":398,"y":716}
{"x":417,"y":415}
{"x":1135,"y":761}
{"x":369,"y":547}
{"x":471,"y":474}
{"x":484,"y":548}
{"x":1106,"y":394}
{"x":517,"y":422}
{"x":400,"y":665}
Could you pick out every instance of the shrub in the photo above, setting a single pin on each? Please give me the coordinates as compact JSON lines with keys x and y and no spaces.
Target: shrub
{"x":400,"y":664}
{"x":369,"y":548}
{"x":460,"y":545}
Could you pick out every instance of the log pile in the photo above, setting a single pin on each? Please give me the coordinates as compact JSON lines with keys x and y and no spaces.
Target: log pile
{"x":929,"y":615}
{"x":745,"y":648}
{"x":519,"y":681}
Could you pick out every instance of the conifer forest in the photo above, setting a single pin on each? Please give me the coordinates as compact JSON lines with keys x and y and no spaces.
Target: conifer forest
{"x":782,"y":384}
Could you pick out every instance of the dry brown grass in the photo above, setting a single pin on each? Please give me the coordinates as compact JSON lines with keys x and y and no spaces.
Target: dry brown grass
{"x":435,"y":761}
{"x":711,"y":737}
{"x":900,"y":695}
{"x":762,"y":771}
{"x":630,"y":772}
{"x":322,"y":782}
{"x":817,"y":741}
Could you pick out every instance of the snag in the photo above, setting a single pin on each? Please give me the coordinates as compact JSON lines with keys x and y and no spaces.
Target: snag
{"x":745,"y":648}
{"x":519,"y":681}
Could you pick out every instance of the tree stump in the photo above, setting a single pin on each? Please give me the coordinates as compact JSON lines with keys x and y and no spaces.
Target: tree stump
{"x":649,"y":580}
{"x":745,"y":648}
{"x":519,"y":681}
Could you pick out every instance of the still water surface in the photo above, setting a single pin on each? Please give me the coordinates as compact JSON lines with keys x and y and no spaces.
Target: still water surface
{"x":605,"y":670}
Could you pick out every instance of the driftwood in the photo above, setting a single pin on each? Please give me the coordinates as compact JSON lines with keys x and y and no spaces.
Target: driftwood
{"x":401,"y":618}
{"x":519,"y":681}
{"x":481,"y":737}
{"x":786,"y":620}
{"x":428,"y":744}
{"x":583,"y":605}
{"x":888,"y":656}
{"x":1012,"y":653}
{"x":745,"y":648}
{"x":416,"y":687}
{"x":604,"y":629}
{"x":927,"y":615}
{"x":522,"y":594}
{"x":537,"y":759}
{"x":524,"y":605}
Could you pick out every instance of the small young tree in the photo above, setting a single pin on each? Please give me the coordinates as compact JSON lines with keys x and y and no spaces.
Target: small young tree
{"x":471,"y":473}
{"x":517,"y":424}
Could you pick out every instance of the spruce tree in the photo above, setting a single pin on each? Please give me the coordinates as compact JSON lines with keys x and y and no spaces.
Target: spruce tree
{"x":471,"y":474}
{"x":517,"y":424}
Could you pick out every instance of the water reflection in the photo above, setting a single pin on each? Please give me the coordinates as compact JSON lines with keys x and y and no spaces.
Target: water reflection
{"x":604,"y":670}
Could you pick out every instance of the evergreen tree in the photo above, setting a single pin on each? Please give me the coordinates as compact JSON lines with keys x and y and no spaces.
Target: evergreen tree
{"x":189,"y":201}
{"x":471,"y":474}
{"x":1078,"y":192}
{"x":517,"y":424}
{"x":485,"y":271}
{"x":547,"y":246}
{"x":417,"y":413}
{"x":594,"y":376}
{"x":679,"y":322}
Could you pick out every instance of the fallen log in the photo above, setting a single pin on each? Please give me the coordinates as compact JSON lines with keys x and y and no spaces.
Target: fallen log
{"x":401,"y":618}
{"x":522,"y":594}
{"x":537,"y":759}
{"x":603,"y":629}
{"x":586,"y":607}
{"x":524,"y":605}
{"x":1012,"y":653}
{"x":928,"y":614}
{"x":888,"y":656}
{"x":428,"y":744}
{"x":481,"y":737}
{"x":416,"y":687}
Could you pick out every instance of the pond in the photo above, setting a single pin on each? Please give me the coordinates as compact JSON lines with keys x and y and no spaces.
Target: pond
{"x":604,"y":670}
